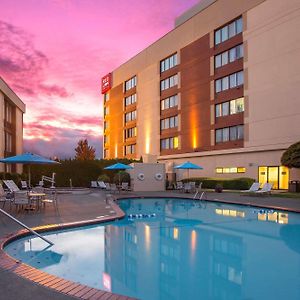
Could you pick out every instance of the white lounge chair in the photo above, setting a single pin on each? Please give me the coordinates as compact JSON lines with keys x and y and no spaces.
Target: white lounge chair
{"x":101,"y":185}
{"x":265,"y":190}
{"x":94,"y":184}
{"x":11,"y":185}
{"x":253,"y":188}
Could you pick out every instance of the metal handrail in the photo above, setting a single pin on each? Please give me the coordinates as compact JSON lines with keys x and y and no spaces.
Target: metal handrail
{"x":23,"y":225}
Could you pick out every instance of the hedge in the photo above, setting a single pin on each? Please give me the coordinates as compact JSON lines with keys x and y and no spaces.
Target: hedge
{"x":227,"y":183}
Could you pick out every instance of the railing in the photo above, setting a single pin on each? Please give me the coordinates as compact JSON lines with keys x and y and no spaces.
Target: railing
{"x":199,"y":196}
{"x":23,"y":225}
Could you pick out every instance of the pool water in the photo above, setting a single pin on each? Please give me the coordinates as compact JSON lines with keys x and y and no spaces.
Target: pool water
{"x":178,"y":249}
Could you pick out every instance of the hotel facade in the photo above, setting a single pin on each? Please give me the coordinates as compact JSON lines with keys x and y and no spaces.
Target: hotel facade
{"x":220,"y":90}
{"x":11,"y":126}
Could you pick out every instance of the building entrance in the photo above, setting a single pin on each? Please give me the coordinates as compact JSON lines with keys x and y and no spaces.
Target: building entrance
{"x":278,"y":176}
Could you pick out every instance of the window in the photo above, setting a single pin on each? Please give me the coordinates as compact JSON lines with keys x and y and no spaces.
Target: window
{"x":105,"y":139}
{"x":106,"y":110}
{"x":106,"y":97}
{"x":169,"y":143}
{"x":8,"y":112}
{"x":130,"y":99}
{"x":169,"y":122}
{"x":168,"y":63}
{"x":131,"y":83}
{"x":130,"y":116}
{"x":231,"y":107}
{"x":230,"y":134}
{"x":228,"y":31}
{"x":130,"y":132}
{"x":229,"y":56}
{"x":130,"y":149}
{"x":8,"y":142}
{"x":230,"y":170}
{"x":169,"y":102}
{"x":169,"y":82}
{"x":105,"y":153}
{"x":231,"y":81}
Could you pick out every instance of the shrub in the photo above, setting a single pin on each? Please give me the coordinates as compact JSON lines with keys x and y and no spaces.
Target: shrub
{"x":227,"y":183}
{"x":121,"y":176}
{"x":104,"y":178}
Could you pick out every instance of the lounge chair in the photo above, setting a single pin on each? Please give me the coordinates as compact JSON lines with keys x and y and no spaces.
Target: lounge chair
{"x":11,"y":185}
{"x":101,"y":185}
{"x":253,"y":188}
{"x":94,"y":184}
{"x":5,"y":197}
{"x":179,"y":186}
{"x":265,"y":190}
{"x":107,"y":186}
{"x":24,"y":185}
{"x":125,"y":186}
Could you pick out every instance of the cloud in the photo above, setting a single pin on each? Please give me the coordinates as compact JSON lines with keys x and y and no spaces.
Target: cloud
{"x":23,"y":66}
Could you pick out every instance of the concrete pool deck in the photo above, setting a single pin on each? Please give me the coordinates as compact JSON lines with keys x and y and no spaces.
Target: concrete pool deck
{"x":77,"y":208}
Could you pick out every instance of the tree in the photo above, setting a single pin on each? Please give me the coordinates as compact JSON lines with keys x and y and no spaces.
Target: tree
{"x":84,"y":151}
{"x":291,"y":157}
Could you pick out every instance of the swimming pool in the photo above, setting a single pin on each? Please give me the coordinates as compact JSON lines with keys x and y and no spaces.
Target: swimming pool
{"x":178,"y":249}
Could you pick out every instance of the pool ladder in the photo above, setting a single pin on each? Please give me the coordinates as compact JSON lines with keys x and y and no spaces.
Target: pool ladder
{"x":199,"y":196}
{"x":26,"y":227}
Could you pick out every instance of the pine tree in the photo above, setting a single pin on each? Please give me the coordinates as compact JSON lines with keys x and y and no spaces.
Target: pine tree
{"x":84,"y":151}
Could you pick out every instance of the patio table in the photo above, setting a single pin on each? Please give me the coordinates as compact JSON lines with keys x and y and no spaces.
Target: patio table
{"x":37,"y":197}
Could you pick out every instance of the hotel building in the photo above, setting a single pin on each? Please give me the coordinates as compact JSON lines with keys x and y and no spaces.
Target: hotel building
{"x":11,"y":126}
{"x":220,"y":90}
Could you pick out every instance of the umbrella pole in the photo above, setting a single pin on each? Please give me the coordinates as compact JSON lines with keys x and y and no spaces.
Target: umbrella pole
{"x":29,"y":176}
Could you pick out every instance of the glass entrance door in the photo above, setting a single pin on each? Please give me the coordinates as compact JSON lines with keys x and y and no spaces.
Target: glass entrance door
{"x":278,"y":176}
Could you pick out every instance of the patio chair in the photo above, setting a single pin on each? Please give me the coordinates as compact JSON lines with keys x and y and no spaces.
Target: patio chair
{"x":113,"y":188}
{"x":107,"y":186}
{"x":51,"y":198}
{"x":101,"y":185}
{"x":193,"y":186}
{"x":94,"y":184}
{"x":187,"y":187}
{"x":125,"y":186}
{"x":5,"y":197}
{"x":20,"y":199}
{"x":24,"y":185}
{"x":265,"y":190}
{"x":179,"y":186}
{"x":11,"y":185}
{"x":253,"y":188}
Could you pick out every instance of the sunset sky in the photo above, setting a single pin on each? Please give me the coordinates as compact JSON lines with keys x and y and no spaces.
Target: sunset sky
{"x":53,"y":54}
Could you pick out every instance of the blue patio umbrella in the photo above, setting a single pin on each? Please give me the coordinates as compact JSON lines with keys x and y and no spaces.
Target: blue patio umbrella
{"x":118,"y":166}
{"x":188,"y":166}
{"x":28,"y":158}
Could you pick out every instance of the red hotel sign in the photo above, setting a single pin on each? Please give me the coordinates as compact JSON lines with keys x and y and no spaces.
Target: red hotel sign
{"x":106,"y":83}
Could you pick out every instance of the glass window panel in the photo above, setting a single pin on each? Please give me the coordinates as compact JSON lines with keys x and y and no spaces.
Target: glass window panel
{"x":232,"y":80}
{"x":162,"y":66}
{"x":162,"y":85}
{"x":167,"y":64}
{"x":240,"y":105}
{"x":224,"y":33}
{"x":232,"y":54}
{"x":240,"y":132}
{"x":219,"y":170}
{"x":232,"y":170}
{"x":225,"y":83}
{"x":224,"y":58}
{"x":239,"y":25}
{"x":226,"y":134}
{"x":233,"y":133}
{"x":239,"y":51}
{"x":176,"y":121}
{"x":226,"y":170}
{"x":240,"y":78}
{"x":233,"y":107}
{"x":172,"y":122}
{"x":176,"y":142}
{"x":241,"y":170}
{"x":218,"y":135}
{"x":218,"y":85}
{"x":232,"y":30}
{"x":217,"y":37}
{"x":225,"y":109}
{"x":218,"y":61}
{"x":218,"y":110}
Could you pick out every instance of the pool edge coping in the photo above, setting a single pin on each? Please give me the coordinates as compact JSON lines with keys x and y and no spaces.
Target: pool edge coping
{"x":73,"y":289}
{"x":46,"y":280}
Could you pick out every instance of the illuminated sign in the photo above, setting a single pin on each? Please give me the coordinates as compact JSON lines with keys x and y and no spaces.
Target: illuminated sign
{"x":106,"y":83}
{"x":106,"y":281}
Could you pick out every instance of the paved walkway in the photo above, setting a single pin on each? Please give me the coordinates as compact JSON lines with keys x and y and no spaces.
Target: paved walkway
{"x":84,"y":207}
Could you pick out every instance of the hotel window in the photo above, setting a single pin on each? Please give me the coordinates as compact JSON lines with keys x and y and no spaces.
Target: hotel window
{"x":130,"y":99}
{"x":105,"y":139}
{"x":169,"y":102}
{"x":229,"y":56}
{"x":130,"y":132}
{"x":228,"y":31}
{"x":130,"y":116}
{"x":230,"y":134}
{"x":105,"y":125}
{"x":169,"y":143}
{"x":168,"y":82}
{"x":131,"y":83}
{"x":169,"y":123}
{"x":105,"y":153}
{"x":232,"y":170}
{"x":168,"y":63}
{"x":231,"y":81}
{"x":106,"y":110}
{"x":106,"y":97}
{"x":130,"y":149}
{"x":231,"y":107}
{"x":8,"y":142}
{"x":8,"y":112}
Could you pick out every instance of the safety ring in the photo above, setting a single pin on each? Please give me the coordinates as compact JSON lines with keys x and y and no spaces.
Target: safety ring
{"x":158,"y":176}
{"x":141,"y":176}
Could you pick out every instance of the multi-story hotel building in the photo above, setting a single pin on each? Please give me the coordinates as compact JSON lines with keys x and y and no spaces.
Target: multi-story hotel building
{"x":11,"y":126}
{"x":220,"y":90}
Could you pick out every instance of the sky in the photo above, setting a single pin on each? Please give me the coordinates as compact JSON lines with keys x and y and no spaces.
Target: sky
{"x":53,"y":54}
